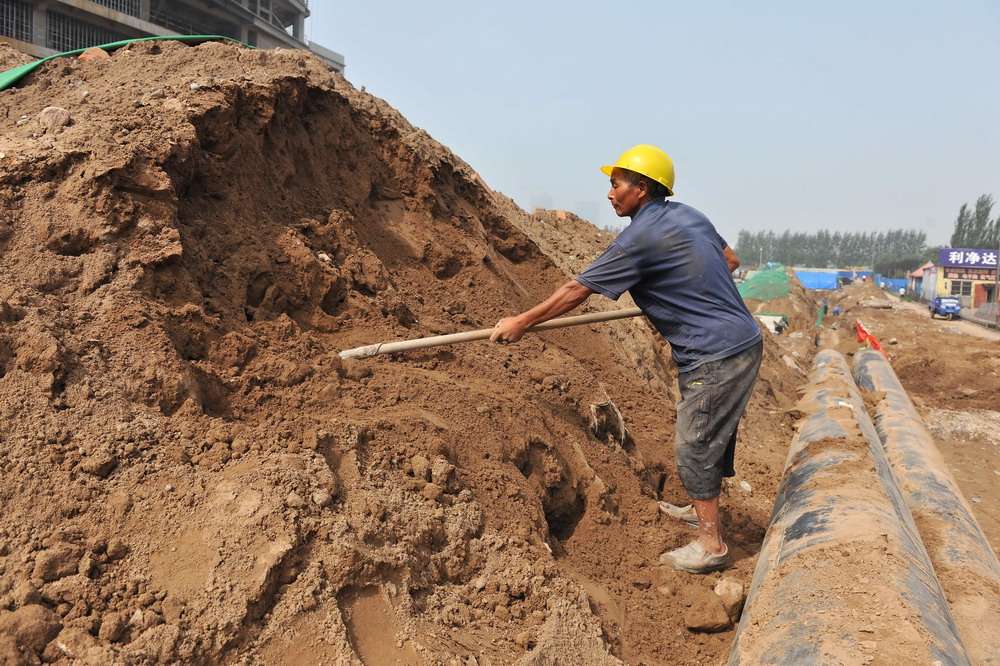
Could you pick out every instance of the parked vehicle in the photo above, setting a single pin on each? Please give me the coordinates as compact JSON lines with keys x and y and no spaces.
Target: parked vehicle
{"x":946,"y":306}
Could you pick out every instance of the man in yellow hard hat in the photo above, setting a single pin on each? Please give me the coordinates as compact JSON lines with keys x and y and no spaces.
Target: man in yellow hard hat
{"x":679,"y":271}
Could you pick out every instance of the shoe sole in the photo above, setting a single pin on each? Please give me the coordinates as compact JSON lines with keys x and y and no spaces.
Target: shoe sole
{"x":691,"y":523}
{"x":712,"y":569}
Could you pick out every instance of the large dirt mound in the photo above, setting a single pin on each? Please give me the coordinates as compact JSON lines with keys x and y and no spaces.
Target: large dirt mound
{"x":11,"y":57}
{"x":192,"y":475}
{"x":800,"y":305}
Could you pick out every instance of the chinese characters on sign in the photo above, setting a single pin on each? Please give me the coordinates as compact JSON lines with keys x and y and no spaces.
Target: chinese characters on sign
{"x":969,"y":258}
{"x":969,"y":274}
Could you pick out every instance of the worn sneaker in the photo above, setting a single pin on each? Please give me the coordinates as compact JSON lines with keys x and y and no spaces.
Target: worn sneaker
{"x":693,"y":558}
{"x":685,"y":513}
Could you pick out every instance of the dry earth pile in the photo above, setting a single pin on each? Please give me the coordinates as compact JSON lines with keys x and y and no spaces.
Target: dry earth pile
{"x":191,"y":475}
{"x":11,"y":57}
{"x":800,"y":305}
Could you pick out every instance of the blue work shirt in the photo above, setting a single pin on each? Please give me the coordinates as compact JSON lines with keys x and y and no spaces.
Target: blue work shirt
{"x":671,"y":260}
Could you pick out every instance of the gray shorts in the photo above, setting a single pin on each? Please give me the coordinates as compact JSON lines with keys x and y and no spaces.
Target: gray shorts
{"x":713,"y":397}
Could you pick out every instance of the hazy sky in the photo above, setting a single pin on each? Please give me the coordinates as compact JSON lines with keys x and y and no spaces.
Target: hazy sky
{"x":849,"y":116}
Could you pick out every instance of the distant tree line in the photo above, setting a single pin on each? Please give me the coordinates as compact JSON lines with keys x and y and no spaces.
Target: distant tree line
{"x":888,"y":250}
{"x":975,"y":229}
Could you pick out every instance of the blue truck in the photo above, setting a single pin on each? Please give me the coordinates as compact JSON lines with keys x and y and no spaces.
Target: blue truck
{"x":948,"y":307}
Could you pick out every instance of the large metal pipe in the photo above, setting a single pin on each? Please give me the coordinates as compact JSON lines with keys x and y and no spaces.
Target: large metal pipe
{"x":965,"y":564}
{"x":842,"y":577}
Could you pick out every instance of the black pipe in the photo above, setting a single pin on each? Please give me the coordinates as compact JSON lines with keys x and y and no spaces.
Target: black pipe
{"x":965,"y":564}
{"x":842,"y":576}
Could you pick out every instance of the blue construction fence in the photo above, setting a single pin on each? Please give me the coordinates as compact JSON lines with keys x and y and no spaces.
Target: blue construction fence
{"x":817,"y":280}
{"x":832,"y":279}
{"x":892,"y":284}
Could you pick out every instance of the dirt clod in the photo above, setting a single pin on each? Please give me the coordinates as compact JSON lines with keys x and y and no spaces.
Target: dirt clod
{"x":421,"y":467}
{"x":25,"y":594}
{"x":706,"y":612}
{"x":31,"y":627}
{"x":321,"y":498}
{"x":112,"y":627}
{"x":432,"y":491}
{"x":75,"y":643}
{"x":54,"y":563}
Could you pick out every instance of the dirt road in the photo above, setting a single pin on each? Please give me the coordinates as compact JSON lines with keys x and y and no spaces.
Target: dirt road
{"x":961,"y":325}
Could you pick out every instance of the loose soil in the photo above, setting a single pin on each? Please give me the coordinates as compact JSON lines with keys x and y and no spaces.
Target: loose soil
{"x":192,"y":475}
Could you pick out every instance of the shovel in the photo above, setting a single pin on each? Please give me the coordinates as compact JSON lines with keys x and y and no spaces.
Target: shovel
{"x":436,"y":341}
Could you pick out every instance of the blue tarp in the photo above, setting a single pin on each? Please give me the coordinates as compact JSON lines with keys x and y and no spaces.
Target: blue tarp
{"x":812,"y":280}
{"x":853,"y":275}
{"x":894,"y":284}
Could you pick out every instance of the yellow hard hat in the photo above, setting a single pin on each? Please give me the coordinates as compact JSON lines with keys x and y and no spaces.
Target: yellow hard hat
{"x":648,"y":161}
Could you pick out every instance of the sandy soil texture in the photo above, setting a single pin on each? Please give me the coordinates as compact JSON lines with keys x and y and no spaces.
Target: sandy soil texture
{"x":192,"y":475}
{"x":11,"y":57}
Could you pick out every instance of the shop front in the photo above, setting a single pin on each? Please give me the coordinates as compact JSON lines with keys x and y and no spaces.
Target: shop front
{"x":970,"y":275}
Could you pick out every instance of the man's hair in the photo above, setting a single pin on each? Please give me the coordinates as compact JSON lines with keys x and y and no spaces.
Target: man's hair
{"x":656,"y":188}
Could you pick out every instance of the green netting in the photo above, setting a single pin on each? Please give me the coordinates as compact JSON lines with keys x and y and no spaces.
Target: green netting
{"x":12,"y":76}
{"x":766,"y":285}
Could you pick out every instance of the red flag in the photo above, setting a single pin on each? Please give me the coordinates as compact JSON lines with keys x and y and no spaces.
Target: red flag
{"x":865,"y":336}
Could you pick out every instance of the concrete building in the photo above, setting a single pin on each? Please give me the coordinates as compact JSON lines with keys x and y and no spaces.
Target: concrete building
{"x":969,"y":274}
{"x":44,"y":27}
{"x":917,"y":280}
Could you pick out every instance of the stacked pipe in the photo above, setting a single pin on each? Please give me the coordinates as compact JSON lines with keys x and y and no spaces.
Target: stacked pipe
{"x":842,"y":575}
{"x":965,"y":564}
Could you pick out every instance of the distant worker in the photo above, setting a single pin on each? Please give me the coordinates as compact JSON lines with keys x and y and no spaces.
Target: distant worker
{"x":902,"y":292}
{"x":677,"y":268}
{"x":836,"y":310}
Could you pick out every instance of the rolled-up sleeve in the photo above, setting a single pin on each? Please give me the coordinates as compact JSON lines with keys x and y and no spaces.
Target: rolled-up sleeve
{"x":612,"y":274}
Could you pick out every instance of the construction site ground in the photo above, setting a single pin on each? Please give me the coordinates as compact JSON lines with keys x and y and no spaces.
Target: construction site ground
{"x":192,"y":475}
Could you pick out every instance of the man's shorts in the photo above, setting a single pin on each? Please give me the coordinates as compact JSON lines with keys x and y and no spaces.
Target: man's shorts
{"x":713,"y":397}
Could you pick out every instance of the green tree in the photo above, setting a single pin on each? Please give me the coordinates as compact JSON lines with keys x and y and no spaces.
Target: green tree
{"x":961,"y":232}
{"x":975,"y":229}
{"x":822,"y":249}
{"x":981,"y":226}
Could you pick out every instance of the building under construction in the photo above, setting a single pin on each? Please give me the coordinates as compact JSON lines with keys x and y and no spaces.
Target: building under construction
{"x":44,"y":27}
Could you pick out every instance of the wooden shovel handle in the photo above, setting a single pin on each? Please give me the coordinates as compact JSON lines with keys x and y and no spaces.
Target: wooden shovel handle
{"x":437,"y":340}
